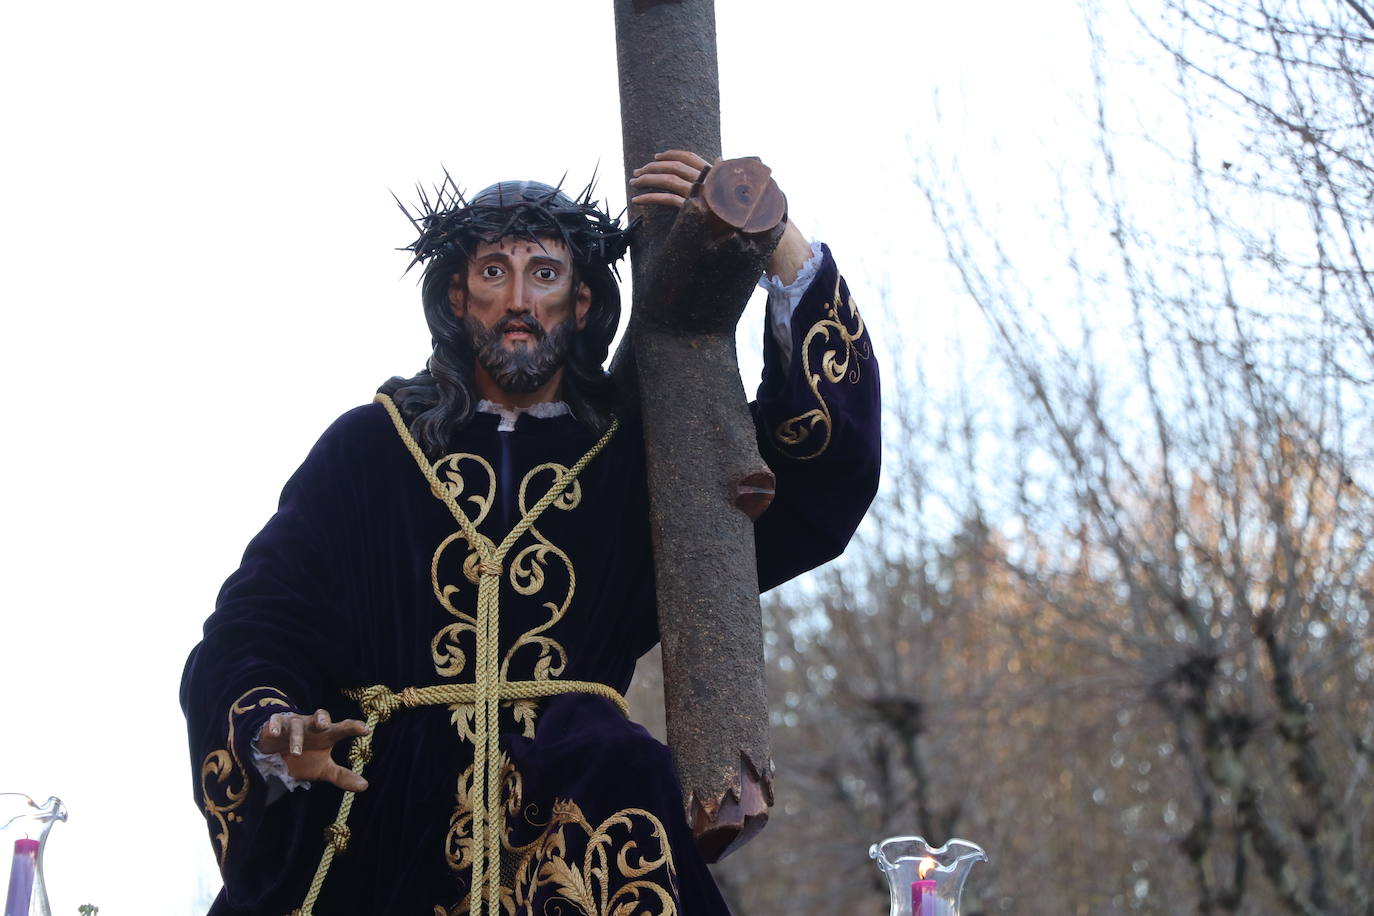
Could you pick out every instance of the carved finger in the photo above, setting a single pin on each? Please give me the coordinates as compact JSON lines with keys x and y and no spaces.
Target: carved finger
{"x":346,"y":779}
{"x":664,"y":200}
{"x":670,"y":183}
{"x":351,"y":728}
{"x":680,"y":169}
{"x":296,"y":743}
{"x":342,"y":731}
{"x":269,"y":736}
{"x":682,"y":155}
{"x":320,"y":722}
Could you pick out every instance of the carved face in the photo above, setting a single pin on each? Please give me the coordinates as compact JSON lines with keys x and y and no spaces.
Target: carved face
{"x":520,"y":302}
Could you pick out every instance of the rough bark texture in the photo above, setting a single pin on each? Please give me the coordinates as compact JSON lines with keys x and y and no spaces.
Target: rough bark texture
{"x":693,"y":273}
{"x":669,"y":88}
{"x":701,"y":450}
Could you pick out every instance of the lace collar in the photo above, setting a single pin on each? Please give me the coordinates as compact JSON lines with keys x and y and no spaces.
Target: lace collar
{"x":542,"y":411}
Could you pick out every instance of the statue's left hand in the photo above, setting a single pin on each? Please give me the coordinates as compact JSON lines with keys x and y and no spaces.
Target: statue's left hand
{"x":668,"y":179}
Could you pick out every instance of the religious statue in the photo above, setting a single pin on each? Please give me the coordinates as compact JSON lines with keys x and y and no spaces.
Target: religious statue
{"x":408,"y":699}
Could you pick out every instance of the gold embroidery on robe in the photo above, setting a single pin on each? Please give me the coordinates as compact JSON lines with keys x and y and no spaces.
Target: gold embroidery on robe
{"x":229,"y":790}
{"x":538,"y":570}
{"x":449,"y":658}
{"x":530,"y":573}
{"x":836,"y":340}
{"x":458,"y":840}
{"x":617,"y":873}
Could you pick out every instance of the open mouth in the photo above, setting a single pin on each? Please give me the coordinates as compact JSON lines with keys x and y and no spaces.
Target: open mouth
{"x":519,"y":330}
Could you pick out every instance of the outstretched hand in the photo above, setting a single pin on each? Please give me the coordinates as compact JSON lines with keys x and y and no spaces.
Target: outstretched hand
{"x":305,"y":743}
{"x":668,"y":179}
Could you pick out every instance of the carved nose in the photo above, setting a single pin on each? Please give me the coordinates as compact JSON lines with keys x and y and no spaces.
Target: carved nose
{"x":518,"y":293}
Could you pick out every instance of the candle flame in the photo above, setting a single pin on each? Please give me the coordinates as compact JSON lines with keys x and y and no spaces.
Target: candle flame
{"x":927,"y":865}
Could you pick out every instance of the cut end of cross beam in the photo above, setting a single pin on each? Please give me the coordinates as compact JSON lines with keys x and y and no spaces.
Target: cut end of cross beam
{"x":742,"y":194}
{"x":723,"y":825}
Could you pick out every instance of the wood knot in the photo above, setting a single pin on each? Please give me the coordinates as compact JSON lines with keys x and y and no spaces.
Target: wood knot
{"x":336,"y":835}
{"x":754,"y":492}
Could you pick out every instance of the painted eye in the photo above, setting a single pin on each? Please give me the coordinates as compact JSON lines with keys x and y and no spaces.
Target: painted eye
{"x":546,"y":274}
{"x":492,"y":271}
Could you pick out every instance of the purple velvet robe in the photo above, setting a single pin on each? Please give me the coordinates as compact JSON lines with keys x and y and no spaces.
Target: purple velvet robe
{"x":358,"y":579}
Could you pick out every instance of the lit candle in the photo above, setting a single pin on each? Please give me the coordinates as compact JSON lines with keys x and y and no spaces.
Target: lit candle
{"x":21,"y":878}
{"x":923,"y":898}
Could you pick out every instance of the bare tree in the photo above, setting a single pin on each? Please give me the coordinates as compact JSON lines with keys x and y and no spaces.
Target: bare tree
{"x":875,"y":690}
{"x":1195,"y":495}
{"x":1112,"y":616}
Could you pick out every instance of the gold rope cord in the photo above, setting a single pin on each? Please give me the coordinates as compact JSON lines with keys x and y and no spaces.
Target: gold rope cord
{"x":486,"y":693}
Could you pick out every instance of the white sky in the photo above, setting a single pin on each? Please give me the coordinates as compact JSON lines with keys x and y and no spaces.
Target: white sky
{"x":197,"y":275}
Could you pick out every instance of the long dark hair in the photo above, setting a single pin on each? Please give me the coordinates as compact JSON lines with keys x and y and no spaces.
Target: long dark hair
{"x":440,"y":400}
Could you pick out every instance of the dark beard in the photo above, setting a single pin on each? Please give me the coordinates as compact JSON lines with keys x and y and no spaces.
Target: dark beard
{"x":523,"y":369}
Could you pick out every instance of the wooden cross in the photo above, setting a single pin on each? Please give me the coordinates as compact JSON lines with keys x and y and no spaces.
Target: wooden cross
{"x":694,"y":270}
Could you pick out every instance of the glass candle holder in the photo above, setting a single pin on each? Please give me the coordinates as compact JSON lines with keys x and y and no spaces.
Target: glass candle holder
{"x":925,"y":880}
{"x":24,"y":826}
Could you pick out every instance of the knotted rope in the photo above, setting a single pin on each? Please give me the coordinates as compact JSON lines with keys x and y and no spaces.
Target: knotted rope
{"x":487,"y":691}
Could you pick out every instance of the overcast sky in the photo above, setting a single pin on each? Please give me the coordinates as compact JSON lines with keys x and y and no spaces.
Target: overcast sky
{"x":198,"y":273}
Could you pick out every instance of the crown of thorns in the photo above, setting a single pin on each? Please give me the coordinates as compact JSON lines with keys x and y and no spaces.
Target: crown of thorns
{"x":449,"y":223}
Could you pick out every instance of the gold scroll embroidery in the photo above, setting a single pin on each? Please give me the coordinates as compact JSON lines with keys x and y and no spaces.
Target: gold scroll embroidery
{"x":841,"y":329}
{"x":529,"y":575}
{"x":619,"y":872}
{"x":458,"y":850}
{"x":229,"y":790}
{"x":449,"y":658}
{"x":488,"y":685}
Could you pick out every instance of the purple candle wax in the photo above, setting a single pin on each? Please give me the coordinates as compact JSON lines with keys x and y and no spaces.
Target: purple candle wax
{"x":21,"y":878}
{"x":923,"y":898}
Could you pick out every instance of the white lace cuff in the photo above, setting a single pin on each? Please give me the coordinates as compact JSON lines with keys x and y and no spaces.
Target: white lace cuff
{"x":783,"y":299}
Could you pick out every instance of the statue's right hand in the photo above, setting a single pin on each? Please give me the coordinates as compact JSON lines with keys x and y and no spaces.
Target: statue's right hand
{"x":305,"y":742}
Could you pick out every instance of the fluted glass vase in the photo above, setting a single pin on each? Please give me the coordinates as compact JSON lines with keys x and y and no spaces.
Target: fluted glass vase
{"x":24,"y":826}
{"x":925,"y":880}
